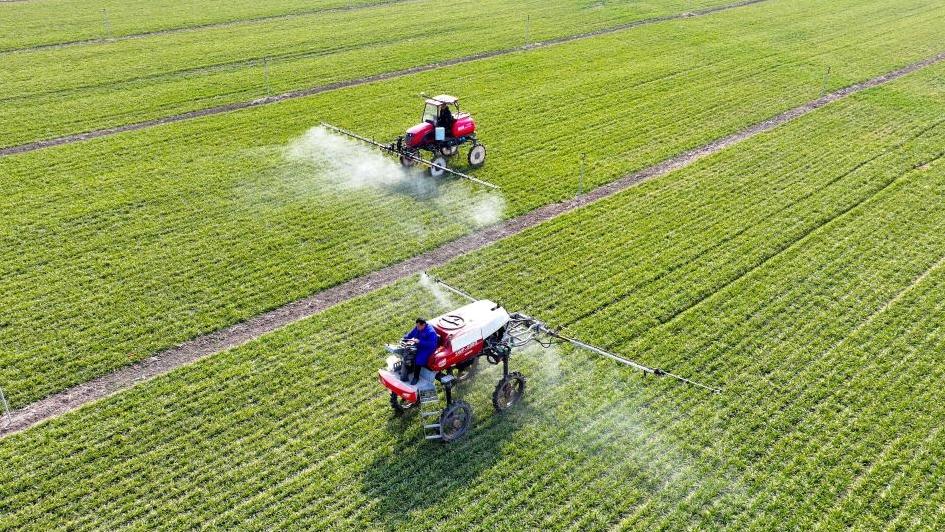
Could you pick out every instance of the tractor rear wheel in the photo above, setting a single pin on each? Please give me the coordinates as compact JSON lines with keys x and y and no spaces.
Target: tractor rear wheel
{"x":509,"y":391}
{"x":477,"y":155}
{"x":400,"y":406}
{"x":455,"y":421}
{"x":465,"y":372}
{"x":438,"y":162}
{"x":449,"y":151}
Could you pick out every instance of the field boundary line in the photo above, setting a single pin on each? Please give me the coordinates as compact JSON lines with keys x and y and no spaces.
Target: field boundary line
{"x":197,"y":27}
{"x":383,"y":76}
{"x":682,"y":263}
{"x":235,"y":335}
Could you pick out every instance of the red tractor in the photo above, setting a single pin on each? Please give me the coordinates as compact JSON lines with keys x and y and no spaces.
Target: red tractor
{"x":443,"y":128}
{"x":477,"y":329}
{"x":480,"y":329}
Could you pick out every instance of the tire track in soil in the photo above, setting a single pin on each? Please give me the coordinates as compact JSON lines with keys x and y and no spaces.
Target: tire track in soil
{"x":197,"y":27}
{"x":328,"y":87}
{"x":240,"y":333}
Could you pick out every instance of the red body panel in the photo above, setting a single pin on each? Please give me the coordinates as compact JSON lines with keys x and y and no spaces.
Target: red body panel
{"x":417,"y":135}
{"x":394,"y":384}
{"x":422,"y":134}
{"x":444,"y":357}
{"x":463,"y":125}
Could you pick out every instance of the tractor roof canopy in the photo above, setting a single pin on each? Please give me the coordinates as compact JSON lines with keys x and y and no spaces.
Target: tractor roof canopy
{"x":443,"y":99}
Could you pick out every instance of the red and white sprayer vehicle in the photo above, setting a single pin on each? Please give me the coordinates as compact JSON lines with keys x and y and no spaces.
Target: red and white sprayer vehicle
{"x":443,"y":128}
{"x":479,"y":329}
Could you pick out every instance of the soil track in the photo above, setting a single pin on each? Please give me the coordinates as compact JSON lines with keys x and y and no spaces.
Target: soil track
{"x":301,"y":93}
{"x":241,"y":333}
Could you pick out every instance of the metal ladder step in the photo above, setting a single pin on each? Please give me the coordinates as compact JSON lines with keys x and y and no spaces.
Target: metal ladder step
{"x":429,"y":407}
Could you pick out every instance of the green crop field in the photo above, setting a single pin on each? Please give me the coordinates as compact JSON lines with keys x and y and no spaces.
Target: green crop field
{"x":819,"y":315}
{"x":801,"y":270}
{"x":67,"y":90}
{"x":198,"y":225}
{"x":32,"y":23}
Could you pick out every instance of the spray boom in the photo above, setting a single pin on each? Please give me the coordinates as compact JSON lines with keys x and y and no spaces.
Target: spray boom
{"x":409,"y":156}
{"x":523,"y":329}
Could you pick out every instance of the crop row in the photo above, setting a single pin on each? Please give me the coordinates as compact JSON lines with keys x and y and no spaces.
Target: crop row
{"x":36,"y":23}
{"x":191,"y":227}
{"x":110,"y":87}
{"x":180,"y":55}
{"x":77,"y":89}
{"x":826,"y":351}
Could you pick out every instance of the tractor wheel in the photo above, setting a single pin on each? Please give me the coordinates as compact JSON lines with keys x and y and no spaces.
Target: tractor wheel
{"x":508,"y":392}
{"x":438,"y":172}
{"x":466,"y":373}
{"x":477,"y":155}
{"x":449,"y":151}
{"x":407,"y":160}
{"x":455,"y":421}
{"x":400,"y":406}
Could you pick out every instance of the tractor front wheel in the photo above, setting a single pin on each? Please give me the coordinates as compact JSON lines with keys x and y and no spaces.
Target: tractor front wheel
{"x":477,"y":155}
{"x":508,"y":392}
{"x":455,"y":421}
{"x":408,"y":160}
{"x":439,"y":167}
{"x":399,"y":405}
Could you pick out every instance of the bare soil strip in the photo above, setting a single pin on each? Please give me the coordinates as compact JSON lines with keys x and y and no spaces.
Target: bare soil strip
{"x":235,"y":335}
{"x":301,"y":93}
{"x":198,"y":27}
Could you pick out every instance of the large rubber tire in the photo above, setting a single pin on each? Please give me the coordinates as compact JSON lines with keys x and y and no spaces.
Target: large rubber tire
{"x":438,"y":172}
{"x":408,"y":162}
{"x":400,"y":406}
{"x":508,"y":392}
{"x":477,"y":155}
{"x":449,"y":151}
{"x":467,"y":373}
{"x":455,"y":421}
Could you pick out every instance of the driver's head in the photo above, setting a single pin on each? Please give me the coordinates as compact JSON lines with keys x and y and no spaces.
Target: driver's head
{"x":421,"y":323}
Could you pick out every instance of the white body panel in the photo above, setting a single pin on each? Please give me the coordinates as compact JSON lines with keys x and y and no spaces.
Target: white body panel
{"x":471,"y":323}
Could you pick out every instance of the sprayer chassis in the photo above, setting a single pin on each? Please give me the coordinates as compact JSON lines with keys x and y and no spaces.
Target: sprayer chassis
{"x":442,"y":140}
{"x":480,"y":329}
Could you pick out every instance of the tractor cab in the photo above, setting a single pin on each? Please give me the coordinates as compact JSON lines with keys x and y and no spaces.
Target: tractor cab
{"x":440,"y":110}
{"x":442,"y":118}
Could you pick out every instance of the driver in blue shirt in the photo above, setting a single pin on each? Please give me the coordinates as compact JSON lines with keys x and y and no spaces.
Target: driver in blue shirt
{"x":425,"y":338}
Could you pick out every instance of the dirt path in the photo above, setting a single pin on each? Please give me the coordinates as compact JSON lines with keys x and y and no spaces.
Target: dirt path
{"x":198,"y":27}
{"x":301,"y":93}
{"x":241,"y":333}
